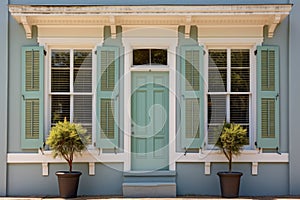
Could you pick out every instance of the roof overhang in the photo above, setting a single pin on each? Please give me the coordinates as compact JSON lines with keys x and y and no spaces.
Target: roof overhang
{"x":211,"y":15}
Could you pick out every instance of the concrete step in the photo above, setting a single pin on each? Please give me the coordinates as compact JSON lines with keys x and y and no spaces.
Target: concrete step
{"x":149,"y":184}
{"x":149,"y":176}
{"x":149,"y":189}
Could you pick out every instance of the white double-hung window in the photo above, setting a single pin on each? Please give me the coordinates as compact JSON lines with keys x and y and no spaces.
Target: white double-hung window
{"x":71,"y":89}
{"x":229,"y":95}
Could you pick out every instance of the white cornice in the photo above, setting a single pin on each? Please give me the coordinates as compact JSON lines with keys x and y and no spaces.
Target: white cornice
{"x":113,"y":16}
{"x":150,"y":10}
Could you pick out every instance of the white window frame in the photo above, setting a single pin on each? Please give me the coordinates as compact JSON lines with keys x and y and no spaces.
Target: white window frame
{"x":71,"y":93}
{"x":68,"y":43}
{"x":234,"y":43}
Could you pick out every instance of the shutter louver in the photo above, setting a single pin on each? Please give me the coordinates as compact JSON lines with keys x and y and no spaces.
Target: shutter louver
{"x":32,"y":97}
{"x":107,"y":97}
{"x":268,"y":97}
{"x":192,"y":102}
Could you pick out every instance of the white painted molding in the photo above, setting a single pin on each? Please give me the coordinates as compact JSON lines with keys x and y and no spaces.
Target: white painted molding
{"x":27,"y":27}
{"x":273,"y":25}
{"x":73,"y":42}
{"x":207,"y":157}
{"x":151,"y":10}
{"x":45,"y":169}
{"x":254,"y":168}
{"x":113,"y":28}
{"x":207,"y":168}
{"x":91,"y":168}
{"x":187,"y":30}
{"x":231,"y":42}
{"x":258,"y":15}
{"x":248,"y":156}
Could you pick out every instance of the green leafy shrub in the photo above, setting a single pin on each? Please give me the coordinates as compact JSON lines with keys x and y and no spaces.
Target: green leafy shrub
{"x":67,"y":139}
{"x":231,"y":141}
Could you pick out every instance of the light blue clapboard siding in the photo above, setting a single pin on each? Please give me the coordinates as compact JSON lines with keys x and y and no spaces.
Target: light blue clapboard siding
{"x":3,"y":94}
{"x":293,"y":98}
{"x":191,"y":178}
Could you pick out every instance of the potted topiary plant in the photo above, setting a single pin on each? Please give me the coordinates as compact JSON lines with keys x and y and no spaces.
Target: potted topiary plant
{"x":231,"y":141}
{"x":66,"y":140}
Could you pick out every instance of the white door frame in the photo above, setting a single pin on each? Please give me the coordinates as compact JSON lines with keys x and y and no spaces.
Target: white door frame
{"x":170,"y":44}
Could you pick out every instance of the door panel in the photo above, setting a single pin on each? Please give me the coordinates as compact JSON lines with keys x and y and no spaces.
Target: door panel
{"x":149,"y":123}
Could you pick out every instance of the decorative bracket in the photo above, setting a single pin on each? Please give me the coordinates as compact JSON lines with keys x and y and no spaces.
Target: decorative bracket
{"x":27,"y":27}
{"x":254,"y":168}
{"x":207,"y":168}
{"x":92,"y":169}
{"x":187,"y":30}
{"x":273,"y":25}
{"x":113,"y":29}
{"x":45,"y":169}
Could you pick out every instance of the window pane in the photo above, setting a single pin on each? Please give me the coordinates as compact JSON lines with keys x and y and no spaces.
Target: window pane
{"x":214,"y":131}
{"x":240,"y":58}
{"x":83,"y":108}
{"x":60,"y":71}
{"x":240,"y":70}
{"x":216,"y":109}
{"x":141,"y":56}
{"x":60,"y":108}
{"x":82,"y":71}
{"x":239,"y":109}
{"x":159,"y":56}
{"x":217,"y":70}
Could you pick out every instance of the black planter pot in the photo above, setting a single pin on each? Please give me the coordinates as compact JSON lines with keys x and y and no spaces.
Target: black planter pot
{"x":230,"y":184}
{"x":68,"y":183}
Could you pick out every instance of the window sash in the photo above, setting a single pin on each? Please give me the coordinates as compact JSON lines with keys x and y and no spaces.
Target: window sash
{"x":78,"y":66}
{"x":229,"y":90}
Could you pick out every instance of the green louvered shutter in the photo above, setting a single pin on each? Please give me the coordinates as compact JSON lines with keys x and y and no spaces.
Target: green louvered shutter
{"x":268,"y":97}
{"x":192,"y":99}
{"x":107,"y":97}
{"x":32,"y":127}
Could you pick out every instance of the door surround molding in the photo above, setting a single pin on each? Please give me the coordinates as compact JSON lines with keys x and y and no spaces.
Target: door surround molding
{"x":170,"y":44}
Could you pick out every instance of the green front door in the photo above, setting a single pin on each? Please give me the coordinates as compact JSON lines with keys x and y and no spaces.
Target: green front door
{"x":149,"y":121}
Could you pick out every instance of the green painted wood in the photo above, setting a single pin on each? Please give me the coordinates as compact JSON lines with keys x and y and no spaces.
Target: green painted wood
{"x":32,"y":128}
{"x":150,"y":121}
{"x":192,"y":97}
{"x":268,"y":97}
{"x":107,"y":110}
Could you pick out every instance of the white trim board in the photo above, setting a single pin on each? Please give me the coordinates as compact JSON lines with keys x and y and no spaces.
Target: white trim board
{"x":259,"y":15}
{"x":93,"y":156}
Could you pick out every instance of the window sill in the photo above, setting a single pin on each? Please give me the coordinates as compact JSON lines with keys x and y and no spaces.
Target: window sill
{"x":94,"y":156}
{"x":247,"y":156}
{"x":45,"y":157}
